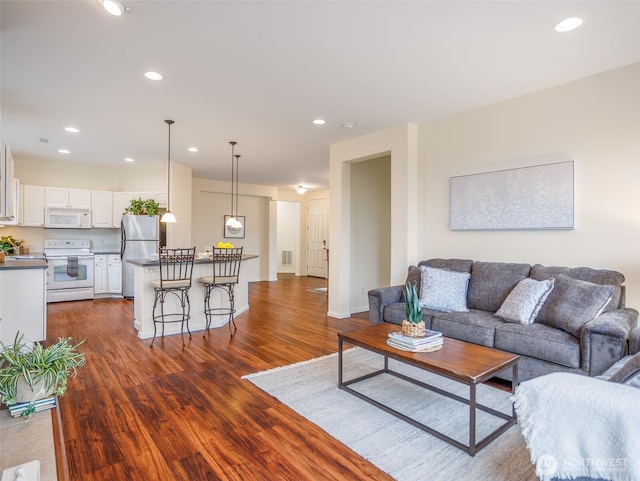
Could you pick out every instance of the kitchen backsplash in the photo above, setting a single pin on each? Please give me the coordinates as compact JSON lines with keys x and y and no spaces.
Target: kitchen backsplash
{"x":102,"y":240}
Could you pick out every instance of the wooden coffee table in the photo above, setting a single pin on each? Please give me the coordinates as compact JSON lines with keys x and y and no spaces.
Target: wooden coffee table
{"x":460,"y":361}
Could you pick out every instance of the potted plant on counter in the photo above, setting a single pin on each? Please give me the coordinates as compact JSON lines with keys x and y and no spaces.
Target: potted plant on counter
{"x":141,"y":206}
{"x":413,"y":325}
{"x":10,"y":245}
{"x":30,"y":372}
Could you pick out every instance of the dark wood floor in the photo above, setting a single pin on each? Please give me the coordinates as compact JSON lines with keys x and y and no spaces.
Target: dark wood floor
{"x":173,"y":413}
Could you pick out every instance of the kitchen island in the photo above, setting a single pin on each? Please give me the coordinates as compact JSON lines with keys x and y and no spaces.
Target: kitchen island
{"x":23,"y":306}
{"x":147,"y":270}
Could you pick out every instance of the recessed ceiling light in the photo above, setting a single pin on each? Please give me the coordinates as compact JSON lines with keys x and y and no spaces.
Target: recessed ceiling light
{"x":568,"y":24}
{"x":73,"y":130}
{"x":301,"y":189}
{"x":129,"y":159}
{"x":114,"y":7}
{"x":319,"y":122}
{"x":153,"y":75}
{"x":64,"y":151}
{"x":192,"y":149}
{"x":348,"y":125}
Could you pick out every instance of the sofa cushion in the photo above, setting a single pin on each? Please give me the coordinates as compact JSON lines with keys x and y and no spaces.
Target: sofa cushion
{"x":539,"y":341}
{"x":477,"y":327}
{"x":459,"y":265}
{"x":525,"y":300}
{"x":444,"y":290}
{"x":597,"y":276}
{"x":573,"y":303}
{"x":491,"y":283}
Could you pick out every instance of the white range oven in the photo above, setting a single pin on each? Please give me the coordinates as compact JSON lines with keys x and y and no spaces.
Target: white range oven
{"x":70,"y":269}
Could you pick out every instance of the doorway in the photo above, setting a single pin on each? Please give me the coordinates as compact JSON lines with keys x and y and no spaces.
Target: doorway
{"x":317,"y":238}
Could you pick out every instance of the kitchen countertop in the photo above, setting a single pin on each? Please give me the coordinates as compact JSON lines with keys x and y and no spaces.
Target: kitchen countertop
{"x":154,"y":262}
{"x":11,"y":264}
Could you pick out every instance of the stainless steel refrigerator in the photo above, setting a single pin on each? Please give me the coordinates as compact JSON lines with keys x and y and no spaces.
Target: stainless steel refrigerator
{"x":139,"y":239}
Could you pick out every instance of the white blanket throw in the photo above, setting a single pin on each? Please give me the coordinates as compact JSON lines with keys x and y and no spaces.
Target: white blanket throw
{"x":580,"y":426}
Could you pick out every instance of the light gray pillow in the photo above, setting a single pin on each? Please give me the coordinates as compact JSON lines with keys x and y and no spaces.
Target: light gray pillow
{"x":525,"y":300}
{"x":573,"y":303}
{"x":444,"y":290}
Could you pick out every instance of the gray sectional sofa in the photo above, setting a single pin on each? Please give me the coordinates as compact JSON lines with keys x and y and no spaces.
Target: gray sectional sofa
{"x":581,"y":325}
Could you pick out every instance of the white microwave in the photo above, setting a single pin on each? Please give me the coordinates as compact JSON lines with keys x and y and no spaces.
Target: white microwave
{"x":67,"y":218}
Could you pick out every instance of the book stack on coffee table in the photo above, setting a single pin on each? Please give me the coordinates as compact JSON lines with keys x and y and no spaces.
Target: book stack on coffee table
{"x":431,"y":341}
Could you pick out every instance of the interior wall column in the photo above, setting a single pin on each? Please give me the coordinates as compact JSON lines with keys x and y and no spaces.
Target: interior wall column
{"x":401,"y":143}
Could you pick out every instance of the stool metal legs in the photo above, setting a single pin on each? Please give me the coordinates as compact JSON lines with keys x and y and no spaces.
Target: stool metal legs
{"x":182,"y":317}
{"x":220,"y":311}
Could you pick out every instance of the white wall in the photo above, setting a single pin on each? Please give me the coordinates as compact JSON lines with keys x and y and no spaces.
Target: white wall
{"x":179,"y":234}
{"x":90,"y":176}
{"x":370,"y":228}
{"x":212,"y":201}
{"x":288,"y":236}
{"x":594,"y":121}
{"x":401,"y":143}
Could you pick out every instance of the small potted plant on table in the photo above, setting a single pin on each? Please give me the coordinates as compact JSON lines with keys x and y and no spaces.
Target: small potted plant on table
{"x":29,"y":373}
{"x":413,"y":325}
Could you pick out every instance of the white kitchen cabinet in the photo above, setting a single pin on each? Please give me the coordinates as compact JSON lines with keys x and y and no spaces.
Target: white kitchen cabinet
{"x":144,"y":195}
{"x":121,"y":201}
{"x":161,"y":199}
{"x":15,"y":204}
{"x":101,"y":209}
{"x":108,"y":274}
{"x":32,"y":206}
{"x":23,"y":305}
{"x":100,"y":274}
{"x":114,"y":274}
{"x":63,"y":197}
{"x":8,"y":187}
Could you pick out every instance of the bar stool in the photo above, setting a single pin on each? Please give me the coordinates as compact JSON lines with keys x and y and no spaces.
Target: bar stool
{"x":176,"y":267}
{"x":226,"y":270}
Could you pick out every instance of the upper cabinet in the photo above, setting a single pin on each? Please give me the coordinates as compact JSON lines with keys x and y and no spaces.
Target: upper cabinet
{"x":121,"y":201}
{"x":63,"y":197}
{"x":8,"y":187}
{"x":161,"y":199}
{"x":106,"y":206}
{"x":102,"y":208}
{"x":32,"y":206}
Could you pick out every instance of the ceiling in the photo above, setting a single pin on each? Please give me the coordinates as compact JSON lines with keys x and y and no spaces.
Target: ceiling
{"x":260,"y":72}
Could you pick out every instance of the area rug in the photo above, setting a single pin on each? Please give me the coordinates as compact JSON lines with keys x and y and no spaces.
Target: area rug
{"x":319,"y":290}
{"x":403,"y":451}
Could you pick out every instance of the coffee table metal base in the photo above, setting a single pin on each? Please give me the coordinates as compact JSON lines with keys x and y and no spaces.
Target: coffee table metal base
{"x":474,"y":446}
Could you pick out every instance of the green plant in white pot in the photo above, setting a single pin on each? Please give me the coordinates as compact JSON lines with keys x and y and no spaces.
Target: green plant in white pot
{"x":413,"y":325}
{"x":29,"y":372}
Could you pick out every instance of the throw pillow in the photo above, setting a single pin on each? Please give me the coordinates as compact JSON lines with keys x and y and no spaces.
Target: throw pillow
{"x":628,"y":369}
{"x":414,"y":276}
{"x":525,"y":301}
{"x":444,"y":290}
{"x":573,"y":303}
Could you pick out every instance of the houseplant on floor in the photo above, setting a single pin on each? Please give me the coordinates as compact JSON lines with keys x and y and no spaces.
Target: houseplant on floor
{"x":30,"y":371}
{"x":413,"y":325}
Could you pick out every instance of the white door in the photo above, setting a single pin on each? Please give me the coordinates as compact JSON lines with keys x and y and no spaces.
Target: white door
{"x":317,"y":238}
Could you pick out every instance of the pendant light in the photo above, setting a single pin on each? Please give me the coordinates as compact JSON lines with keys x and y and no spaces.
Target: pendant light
{"x":168,"y":216}
{"x":233,"y":224}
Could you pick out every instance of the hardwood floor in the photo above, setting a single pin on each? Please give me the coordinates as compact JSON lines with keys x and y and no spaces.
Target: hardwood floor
{"x":174,"y":413}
